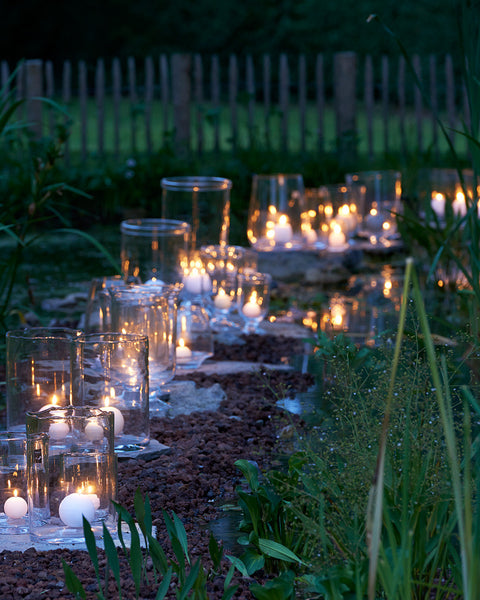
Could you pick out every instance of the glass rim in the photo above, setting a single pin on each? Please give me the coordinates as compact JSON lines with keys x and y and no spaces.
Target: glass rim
{"x":39,"y":333}
{"x":155,"y":226}
{"x":201,"y":182}
{"x":111,"y":338}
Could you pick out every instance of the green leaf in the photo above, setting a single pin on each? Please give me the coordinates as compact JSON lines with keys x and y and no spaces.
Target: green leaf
{"x":215,"y":551}
{"x":135,"y":558}
{"x":276,"y":550}
{"x":73,"y":582}
{"x":91,"y":544}
{"x":165,"y":585}
{"x":250,"y":472}
{"x":253,"y":560}
{"x":112,"y":557}
{"x":190,"y":580}
{"x":157,"y":555}
{"x":238,"y":564}
{"x":280,"y":588}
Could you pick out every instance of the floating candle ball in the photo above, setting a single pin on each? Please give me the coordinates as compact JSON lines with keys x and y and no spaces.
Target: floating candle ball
{"x":15,"y":507}
{"x":251,"y":309}
{"x":118,"y":420}
{"x":182,"y":352}
{"x":58,"y":430}
{"x":283,"y":231}
{"x":222,"y":300}
{"x":74,"y":507}
{"x":53,"y":403}
{"x":94,"y":432}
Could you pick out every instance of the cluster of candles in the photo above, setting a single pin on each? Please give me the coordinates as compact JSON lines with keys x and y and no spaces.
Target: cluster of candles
{"x":459,"y":204}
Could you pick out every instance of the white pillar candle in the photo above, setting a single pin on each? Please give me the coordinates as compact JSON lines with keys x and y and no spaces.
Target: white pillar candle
{"x":459,"y":204}
{"x":438,"y":204}
{"x":197,"y":281}
{"x":74,"y":507}
{"x":182,"y":352}
{"x":282,"y":230}
{"x":94,"y":432}
{"x":118,"y":420}
{"x":15,"y":507}
{"x":222,"y":300}
{"x":336,"y":238}
{"x":58,"y":430}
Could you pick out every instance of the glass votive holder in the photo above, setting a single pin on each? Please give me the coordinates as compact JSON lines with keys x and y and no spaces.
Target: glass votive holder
{"x":315,"y":222}
{"x":194,"y":337}
{"x":98,"y":317}
{"x":71,"y":473}
{"x":38,"y":371}
{"x":381,"y":193}
{"x":195,"y":279}
{"x":203,"y":202}
{"x":110,"y":372}
{"x":276,"y":212}
{"x":222,"y":264}
{"x":150,"y":311}
{"x":151,"y":249}
{"x":253,"y":299}
{"x":13,"y":483}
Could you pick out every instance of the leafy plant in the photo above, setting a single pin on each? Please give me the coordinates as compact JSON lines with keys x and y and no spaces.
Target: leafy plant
{"x":190,"y":579}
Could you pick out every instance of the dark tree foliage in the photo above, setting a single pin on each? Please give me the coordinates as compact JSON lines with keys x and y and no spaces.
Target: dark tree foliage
{"x":90,"y":29}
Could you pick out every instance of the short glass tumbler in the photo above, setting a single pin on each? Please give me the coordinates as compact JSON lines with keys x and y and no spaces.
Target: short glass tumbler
{"x":110,"y":372}
{"x":253,"y":298}
{"x":38,"y":371}
{"x":13,"y":483}
{"x":203,"y":202}
{"x":151,"y":249}
{"x":73,"y":475}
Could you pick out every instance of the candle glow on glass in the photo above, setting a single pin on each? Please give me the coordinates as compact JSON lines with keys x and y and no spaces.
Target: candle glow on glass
{"x":15,"y":507}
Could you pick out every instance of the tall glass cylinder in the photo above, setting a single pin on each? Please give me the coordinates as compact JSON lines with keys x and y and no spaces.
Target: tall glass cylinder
{"x":152,"y":249}
{"x":203,"y":202}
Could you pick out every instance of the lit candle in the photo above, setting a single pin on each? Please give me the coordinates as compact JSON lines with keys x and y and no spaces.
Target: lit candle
{"x":58,"y":430}
{"x":438,"y":204}
{"x":251,"y":309}
{"x":336,"y":238}
{"x":54,"y":403}
{"x":74,"y":507}
{"x":459,"y":204}
{"x":222,"y":300}
{"x":283,"y":232}
{"x":346,"y":218}
{"x":196,"y":281}
{"x":309,"y":235}
{"x":182,"y":352}
{"x":15,"y":507}
{"x":94,"y":432}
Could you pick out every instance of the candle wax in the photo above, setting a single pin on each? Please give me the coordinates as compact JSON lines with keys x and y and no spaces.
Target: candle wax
{"x":282,"y":232}
{"x":336,"y":239}
{"x":74,"y":507}
{"x":183,"y":353}
{"x":251,"y":310}
{"x":15,"y":507}
{"x":222,"y":301}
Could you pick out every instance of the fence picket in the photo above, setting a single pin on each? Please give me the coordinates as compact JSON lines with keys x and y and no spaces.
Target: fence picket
{"x":180,"y":85}
{"x":66,"y":99}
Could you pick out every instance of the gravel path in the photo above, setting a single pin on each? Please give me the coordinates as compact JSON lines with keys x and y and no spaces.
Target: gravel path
{"x":193,"y":479}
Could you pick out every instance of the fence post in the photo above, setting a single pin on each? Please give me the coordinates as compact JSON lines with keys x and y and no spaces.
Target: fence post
{"x":33,"y":91}
{"x":345,"y":76}
{"x":181,"y":97}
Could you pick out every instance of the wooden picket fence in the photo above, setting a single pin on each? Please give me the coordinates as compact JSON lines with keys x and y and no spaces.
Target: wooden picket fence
{"x":205,"y":103}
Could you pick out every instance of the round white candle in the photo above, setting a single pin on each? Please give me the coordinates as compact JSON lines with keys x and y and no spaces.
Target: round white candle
{"x":336,"y":238}
{"x":222,"y":300}
{"x":58,"y":430}
{"x":118,"y":420}
{"x":182,"y":352}
{"x":282,"y":231}
{"x":15,"y":507}
{"x":251,"y":309}
{"x":94,"y":432}
{"x":75,"y":506}
{"x":94,"y":499}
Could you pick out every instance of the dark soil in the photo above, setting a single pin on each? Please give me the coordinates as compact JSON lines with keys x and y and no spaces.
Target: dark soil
{"x":193,"y":479}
